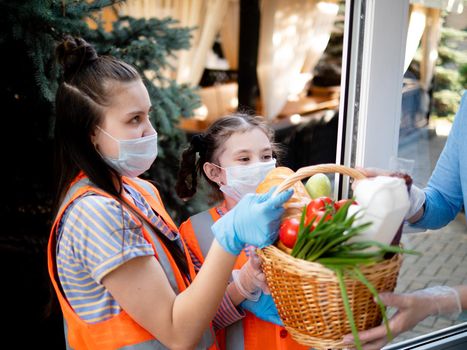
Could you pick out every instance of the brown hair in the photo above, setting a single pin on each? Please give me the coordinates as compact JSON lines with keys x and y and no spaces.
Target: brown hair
{"x":207,"y":146}
{"x":87,"y":87}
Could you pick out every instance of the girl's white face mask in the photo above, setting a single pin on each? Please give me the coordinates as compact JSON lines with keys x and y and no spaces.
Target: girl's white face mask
{"x":243,"y":179}
{"x":134,"y":156}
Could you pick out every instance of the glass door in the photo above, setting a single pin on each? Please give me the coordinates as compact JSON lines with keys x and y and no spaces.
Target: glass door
{"x":379,"y":128}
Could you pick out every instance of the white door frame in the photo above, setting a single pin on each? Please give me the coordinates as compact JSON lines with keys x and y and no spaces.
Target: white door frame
{"x":371,"y":84}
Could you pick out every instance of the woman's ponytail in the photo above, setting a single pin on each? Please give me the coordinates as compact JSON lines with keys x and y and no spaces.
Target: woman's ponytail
{"x":187,"y":175}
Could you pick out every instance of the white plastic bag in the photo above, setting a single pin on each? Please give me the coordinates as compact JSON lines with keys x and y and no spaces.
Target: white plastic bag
{"x":383,"y":201}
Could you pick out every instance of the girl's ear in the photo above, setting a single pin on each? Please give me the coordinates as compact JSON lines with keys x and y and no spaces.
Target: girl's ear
{"x":213,"y":172}
{"x":92,"y":136}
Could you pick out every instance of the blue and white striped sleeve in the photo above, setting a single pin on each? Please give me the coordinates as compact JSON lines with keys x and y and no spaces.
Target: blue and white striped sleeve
{"x":104,"y":235}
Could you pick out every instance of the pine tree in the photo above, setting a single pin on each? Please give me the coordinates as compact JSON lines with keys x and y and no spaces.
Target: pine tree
{"x":30,"y":30}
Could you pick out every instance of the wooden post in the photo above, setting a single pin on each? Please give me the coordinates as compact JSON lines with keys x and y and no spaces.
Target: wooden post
{"x":248,"y":54}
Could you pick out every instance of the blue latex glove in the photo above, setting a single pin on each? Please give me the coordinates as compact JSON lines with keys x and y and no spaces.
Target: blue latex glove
{"x":264,"y":309}
{"x":254,"y":220}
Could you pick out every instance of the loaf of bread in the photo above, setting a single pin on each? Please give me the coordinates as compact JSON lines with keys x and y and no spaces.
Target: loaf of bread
{"x":300,"y":198}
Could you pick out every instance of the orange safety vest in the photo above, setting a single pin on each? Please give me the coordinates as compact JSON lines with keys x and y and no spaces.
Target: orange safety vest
{"x":120,"y":331}
{"x":250,"y":333}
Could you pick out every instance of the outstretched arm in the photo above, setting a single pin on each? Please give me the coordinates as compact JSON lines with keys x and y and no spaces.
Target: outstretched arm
{"x":141,"y":287}
{"x":413,"y":308}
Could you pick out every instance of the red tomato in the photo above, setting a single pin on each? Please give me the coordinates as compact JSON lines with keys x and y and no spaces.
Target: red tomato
{"x":288,"y":232}
{"x":338,"y":204}
{"x":316,"y":209}
{"x":319,"y":203}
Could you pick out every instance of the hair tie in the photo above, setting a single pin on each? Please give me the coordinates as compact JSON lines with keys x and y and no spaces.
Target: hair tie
{"x":198,"y":143}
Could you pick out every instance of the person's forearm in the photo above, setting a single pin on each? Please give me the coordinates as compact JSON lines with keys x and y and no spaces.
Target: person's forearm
{"x":201,"y":299}
{"x":234,"y":294}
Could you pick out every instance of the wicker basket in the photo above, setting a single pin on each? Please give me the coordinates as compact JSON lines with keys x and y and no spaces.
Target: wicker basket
{"x":307,"y":294}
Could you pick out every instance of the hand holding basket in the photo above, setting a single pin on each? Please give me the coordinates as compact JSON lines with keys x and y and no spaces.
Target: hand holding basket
{"x":308,"y":295}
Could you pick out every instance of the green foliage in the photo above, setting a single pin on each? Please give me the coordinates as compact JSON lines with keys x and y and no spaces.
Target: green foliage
{"x":30,"y":31}
{"x":37,"y":24}
{"x":454,"y":56}
{"x":450,"y":73}
{"x":446,"y":79}
{"x":463,"y":75}
{"x":446,"y":102}
{"x":452,"y":36}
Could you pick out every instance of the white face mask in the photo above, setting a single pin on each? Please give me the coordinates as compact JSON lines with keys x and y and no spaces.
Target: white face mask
{"x":243,"y":179}
{"x":134,"y":156}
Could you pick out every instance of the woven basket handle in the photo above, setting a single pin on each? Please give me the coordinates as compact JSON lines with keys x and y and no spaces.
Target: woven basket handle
{"x":314,"y":169}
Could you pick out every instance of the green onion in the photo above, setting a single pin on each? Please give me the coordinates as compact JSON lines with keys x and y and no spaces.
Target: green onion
{"x":361,"y":277}
{"x":327,"y":243}
{"x":347,"y":308}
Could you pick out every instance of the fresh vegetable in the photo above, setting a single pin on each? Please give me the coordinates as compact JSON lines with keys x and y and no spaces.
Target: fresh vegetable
{"x":318,"y":185}
{"x":338,"y":204}
{"x":325,"y":239}
{"x":325,"y":233}
{"x":316,"y":209}
{"x":288,"y":232}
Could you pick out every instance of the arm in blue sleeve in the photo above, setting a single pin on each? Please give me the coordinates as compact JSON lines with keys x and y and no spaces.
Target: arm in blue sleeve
{"x":444,"y":197}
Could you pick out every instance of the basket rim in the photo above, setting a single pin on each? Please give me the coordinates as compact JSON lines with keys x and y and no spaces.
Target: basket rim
{"x":314,"y":169}
{"x":313,"y":267}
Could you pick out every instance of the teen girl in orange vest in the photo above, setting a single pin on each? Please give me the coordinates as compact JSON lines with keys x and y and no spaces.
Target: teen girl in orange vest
{"x":234,"y":155}
{"x":123,"y":275}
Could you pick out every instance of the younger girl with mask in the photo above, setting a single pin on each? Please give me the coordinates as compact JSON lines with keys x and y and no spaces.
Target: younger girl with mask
{"x":123,"y":275}
{"x":234,"y":155}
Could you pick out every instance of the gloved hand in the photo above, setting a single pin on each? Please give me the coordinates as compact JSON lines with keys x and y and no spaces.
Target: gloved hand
{"x":250,"y":279}
{"x":417,"y":198}
{"x":254,"y":220}
{"x":412,"y":309}
{"x":264,"y":309}
{"x":443,"y":299}
{"x":416,"y":195}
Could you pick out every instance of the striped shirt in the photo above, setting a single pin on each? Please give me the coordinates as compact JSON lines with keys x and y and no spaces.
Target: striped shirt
{"x":91,"y":243}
